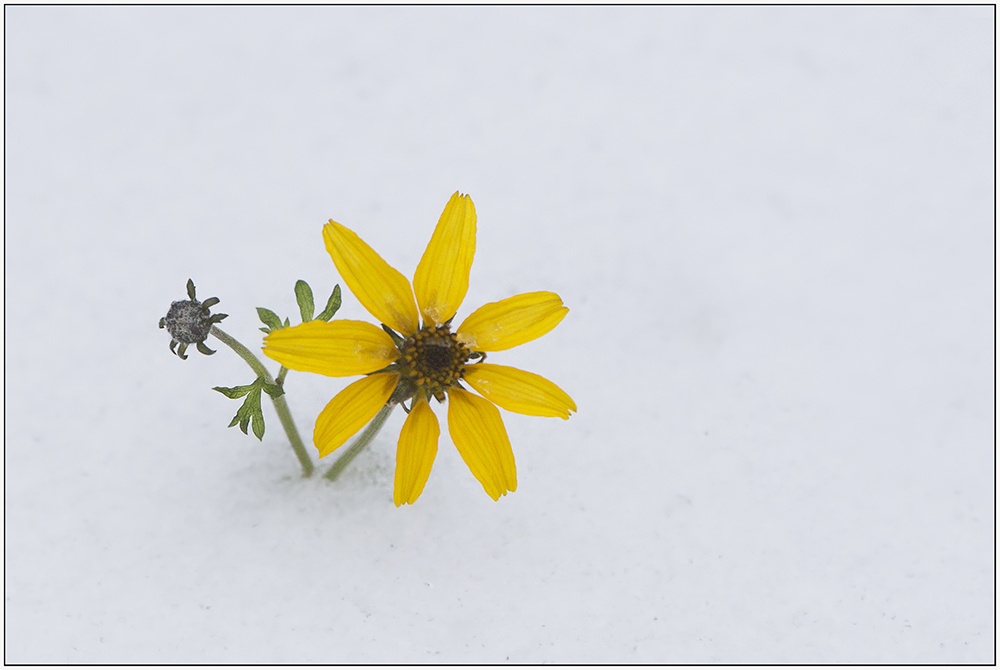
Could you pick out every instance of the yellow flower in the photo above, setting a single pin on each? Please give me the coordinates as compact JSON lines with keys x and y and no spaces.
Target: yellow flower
{"x":415,"y":356}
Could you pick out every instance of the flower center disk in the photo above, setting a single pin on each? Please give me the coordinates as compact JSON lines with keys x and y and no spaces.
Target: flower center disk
{"x":433,"y":359}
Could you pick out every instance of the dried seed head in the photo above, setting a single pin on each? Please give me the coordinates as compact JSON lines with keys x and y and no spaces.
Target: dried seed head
{"x":187,"y":321}
{"x":190,"y":322}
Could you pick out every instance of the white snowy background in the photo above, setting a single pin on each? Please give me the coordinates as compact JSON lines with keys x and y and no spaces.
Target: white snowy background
{"x":773,"y":227}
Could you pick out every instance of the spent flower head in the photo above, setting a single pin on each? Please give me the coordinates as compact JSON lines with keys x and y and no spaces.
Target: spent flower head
{"x":415,"y":356}
{"x":190,"y":322}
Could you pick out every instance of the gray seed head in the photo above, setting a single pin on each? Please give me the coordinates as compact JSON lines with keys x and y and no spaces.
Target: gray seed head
{"x":188,"y":322}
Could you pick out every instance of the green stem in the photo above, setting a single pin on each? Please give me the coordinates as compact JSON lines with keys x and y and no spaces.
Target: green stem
{"x":363,"y":440}
{"x":280,"y":406}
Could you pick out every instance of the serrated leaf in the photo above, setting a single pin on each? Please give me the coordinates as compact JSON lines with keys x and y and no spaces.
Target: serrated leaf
{"x":250,"y":410}
{"x":269,"y":318}
{"x":287,"y":323}
{"x":235,"y":391}
{"x":246,"y":415}
{"x":332,"y":305}
{"x":243,"y":414}
{"x":304,"y":296}
{"x":258,"y":420}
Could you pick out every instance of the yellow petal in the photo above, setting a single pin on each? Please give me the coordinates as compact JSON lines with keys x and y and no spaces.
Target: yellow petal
{"x":519,"y":391}
{"x":415,"y":453}
{"x":477,"y":431}
{"x":351,"y":409}
{"x":521,"y":318}
{"x":337,"y":349}
{"x":442,"y":277}
{"x":381,"y":289}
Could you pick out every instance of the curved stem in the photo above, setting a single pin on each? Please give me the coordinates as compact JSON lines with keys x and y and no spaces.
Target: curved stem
{"x":280,"y":405}
{"x":244,"y":353}
{"x":363,"y":440}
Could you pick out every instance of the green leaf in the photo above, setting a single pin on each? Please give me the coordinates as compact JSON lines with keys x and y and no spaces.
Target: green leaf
{"x":250,"y":410}
{"x":258,"y":420}
{"x":332,"y":305}
{"x":234,"y":392}
{"x":269,"y":318}
{"x":272,"y":390}
{"x":304,"y":296}
{"x":190,"y":289}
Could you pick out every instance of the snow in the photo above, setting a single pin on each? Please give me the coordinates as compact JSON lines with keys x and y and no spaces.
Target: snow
{"x":773,"y":227}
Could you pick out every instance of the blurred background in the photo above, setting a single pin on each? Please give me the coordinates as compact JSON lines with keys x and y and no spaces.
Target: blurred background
{"x":773,"y":226}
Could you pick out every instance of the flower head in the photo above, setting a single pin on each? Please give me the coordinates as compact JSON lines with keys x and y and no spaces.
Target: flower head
{"x":415,"y":356}
{"x":190,"y":322}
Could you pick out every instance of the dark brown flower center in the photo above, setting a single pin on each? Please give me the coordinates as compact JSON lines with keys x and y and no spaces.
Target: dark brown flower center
{"x":432,"y":360}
